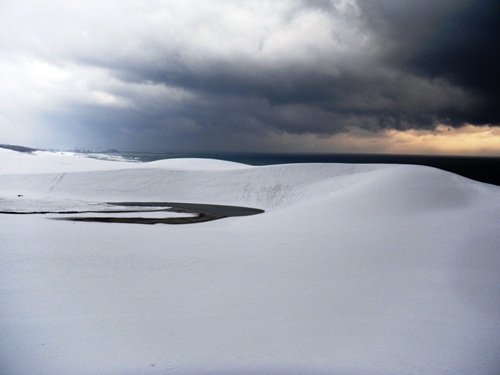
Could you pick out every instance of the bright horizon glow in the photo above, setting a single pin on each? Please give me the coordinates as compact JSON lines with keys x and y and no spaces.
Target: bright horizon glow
{"x":468,"y":140}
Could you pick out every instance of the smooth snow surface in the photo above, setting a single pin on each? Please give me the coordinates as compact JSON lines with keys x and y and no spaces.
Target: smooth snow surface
{"x":352,"y":269}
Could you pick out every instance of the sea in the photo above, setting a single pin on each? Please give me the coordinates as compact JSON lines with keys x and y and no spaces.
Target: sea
{"x":483,"y":169}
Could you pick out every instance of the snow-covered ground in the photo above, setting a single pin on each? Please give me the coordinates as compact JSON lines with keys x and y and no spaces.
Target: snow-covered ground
{"x":352,"y":269}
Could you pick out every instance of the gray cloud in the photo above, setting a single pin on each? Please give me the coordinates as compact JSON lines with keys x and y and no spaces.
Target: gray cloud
{"x":224,"y":74}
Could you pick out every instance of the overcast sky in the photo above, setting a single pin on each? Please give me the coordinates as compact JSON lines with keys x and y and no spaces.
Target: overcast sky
{"x":387,"y":76}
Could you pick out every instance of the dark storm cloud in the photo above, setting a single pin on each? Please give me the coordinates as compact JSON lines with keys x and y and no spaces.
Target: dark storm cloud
{"x":425,"y":63}
{"x":451,"y":39}
{"x":163,"y":73}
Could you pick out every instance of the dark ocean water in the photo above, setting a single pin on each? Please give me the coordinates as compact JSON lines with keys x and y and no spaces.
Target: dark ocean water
{"x":484,"y":169}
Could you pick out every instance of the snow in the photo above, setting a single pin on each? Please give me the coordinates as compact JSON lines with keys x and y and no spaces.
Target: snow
{"x":352,"y":269}
{"x":59,"y":162}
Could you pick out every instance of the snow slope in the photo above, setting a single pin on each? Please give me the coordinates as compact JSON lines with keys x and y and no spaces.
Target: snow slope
{"x":352,"y":269}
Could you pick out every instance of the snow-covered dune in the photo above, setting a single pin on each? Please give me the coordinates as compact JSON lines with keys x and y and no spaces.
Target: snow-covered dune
{"x":352,"y":269}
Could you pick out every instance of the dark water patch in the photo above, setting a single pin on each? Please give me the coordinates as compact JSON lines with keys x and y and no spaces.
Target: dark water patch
{"x":202,"y":212}
{"x":197,"y":208}
{"x":148,"y":220}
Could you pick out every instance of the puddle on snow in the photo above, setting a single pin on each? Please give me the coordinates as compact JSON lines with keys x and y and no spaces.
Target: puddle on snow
{"x":151,"y":213}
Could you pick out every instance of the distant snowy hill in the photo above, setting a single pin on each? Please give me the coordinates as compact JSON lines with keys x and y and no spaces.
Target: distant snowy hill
{"x":352,"y":269}
{"x":17,"y":148}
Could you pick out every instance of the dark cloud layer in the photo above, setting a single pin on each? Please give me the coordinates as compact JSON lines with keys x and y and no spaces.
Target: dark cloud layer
{"x":451,"y":44}
{"x":236,"y":74}
{"x":451,"y":40}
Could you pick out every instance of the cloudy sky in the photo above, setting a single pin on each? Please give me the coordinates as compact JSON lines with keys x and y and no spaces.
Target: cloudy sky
{"x":384,"y":76}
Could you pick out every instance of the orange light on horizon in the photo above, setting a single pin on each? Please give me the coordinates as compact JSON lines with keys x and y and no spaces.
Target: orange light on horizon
{"x":443,"y":140}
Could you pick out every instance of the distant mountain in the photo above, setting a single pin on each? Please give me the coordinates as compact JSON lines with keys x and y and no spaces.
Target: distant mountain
{"x":18,"y":148}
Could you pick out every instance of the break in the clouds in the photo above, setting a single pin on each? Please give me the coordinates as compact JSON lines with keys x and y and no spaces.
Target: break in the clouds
{"x":244,"y":75}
